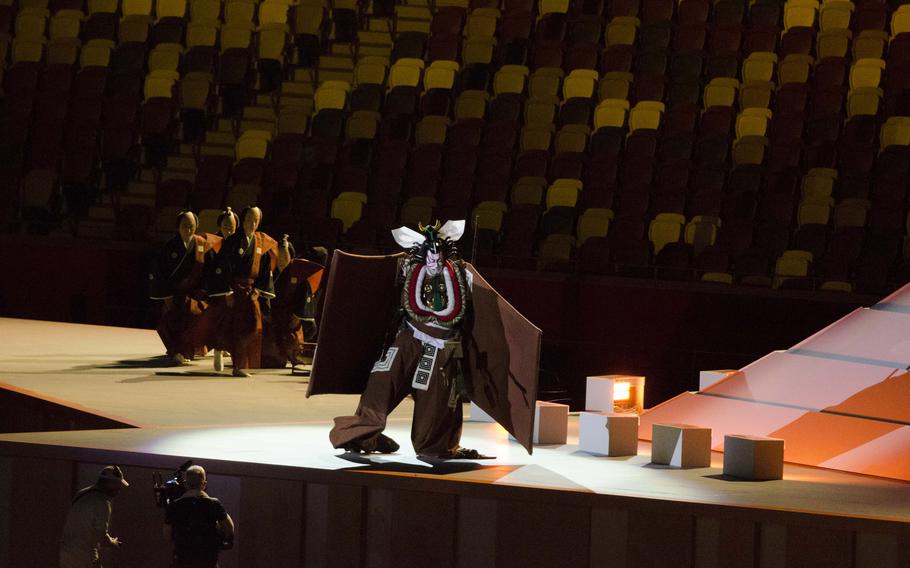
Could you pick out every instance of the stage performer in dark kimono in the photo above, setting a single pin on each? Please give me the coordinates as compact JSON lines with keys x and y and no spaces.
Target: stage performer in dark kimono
{"x":175,"y":279}
{"x":237,"y":277}
{"x":297,"y":281}
{"x":424,"y":358}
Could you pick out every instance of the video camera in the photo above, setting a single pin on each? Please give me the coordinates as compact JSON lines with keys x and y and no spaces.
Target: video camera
{"x":170,"y":490}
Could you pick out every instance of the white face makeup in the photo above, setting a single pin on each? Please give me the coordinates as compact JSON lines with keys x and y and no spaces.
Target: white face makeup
{"x":186,"y":228}
{"x":228,"y":226}
{"x":251,"y":222}
{"x":434,"y":263}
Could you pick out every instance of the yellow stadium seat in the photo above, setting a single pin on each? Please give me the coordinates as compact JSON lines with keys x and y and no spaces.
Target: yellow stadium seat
{"x":273,"y":40}
{"x":30,"y":24}
{"x":160,"y":84}
{"x":170,"y":9}
{"x":580,"y":83}
{"x":65,"y":24}
{"x":253,"y":144}
{"x":309,"y":18}
{"x":103,"y":6}
{"x":701,"y":231}
{"x":611,"y":113}
{"x":717,"y":277}
{"x":165,"y":57}
{"x":63,"y":51}
{"x":239,"y":12}
{"x":205,"y":11}
{"x":556,"y":249}
{"x":621,"y":31}
{"x":237,"y":34}
{"x":471,"y":104}
{"x":529,"y":190}
{"x":572,"y":138}
{"x":331,"y":94}
{"x":721,"y":91}
{"x":833,"y":43}
{"x":895,"y":132}
{"x":242,"y":196}
{"x":800,"y":13}
{"x":481,"y":23}
{"x":477,"y":50}
{"x":900,"y":20}
{"x":417,"y":210}
{"x":791,"y":264}
{"x":818,"y":184}
{"x":615,"y":85}
{"x":794,"y":68}
{"x":869,"y":44}
{"x":440,"y":75}
{"x":749,"y":150}
{"x":835,"y":15}
{"x":851,"y":212}
{"x":133,"y":29}
{"x":195,"y":89}
{"x":554,"y":6}
{"x":563,"y":193}
{"x":544,"y":82}
{"x":362,"y":125}
{"x":292,"y":120}
{"x":866,"y":73}
{"x":756,"y":94}
{"x":405,"y":72}
{"x":271,"y":12}
{"x":863,"y":101}
{"x":201,"y":34}
{"x":814,"y":212}
{"x":432,"y":130}
{"x":96,"y":53}
{"x":488,"y":215}
{"x":646,"y":114}
{"x":594,"y":222}
{"x":540,"y":111}
{"x":536,"y":137}
{"x":371,"y":70}
{"x":759,"y":66}
{"x":665,"y":228}
{"x":348,"y":208}
{"x":753,"y":122}
{"x":27,"y":50}
{"x":836,"y":286}
{"x":510,"y":79}
{"x":136,"y":8}
{"x":208,"y":221}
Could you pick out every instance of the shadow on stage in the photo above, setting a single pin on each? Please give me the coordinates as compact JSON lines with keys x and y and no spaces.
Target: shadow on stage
{"x":433,"y":467}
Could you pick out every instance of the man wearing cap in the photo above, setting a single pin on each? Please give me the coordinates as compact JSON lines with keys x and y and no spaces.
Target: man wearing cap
{"x":197,"y":524}
{"x":86,"y":527}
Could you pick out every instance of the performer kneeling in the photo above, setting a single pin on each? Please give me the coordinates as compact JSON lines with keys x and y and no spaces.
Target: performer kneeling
{"x":175,"y":278}
{"x":424,"y":358}
{"x":240,"y":273}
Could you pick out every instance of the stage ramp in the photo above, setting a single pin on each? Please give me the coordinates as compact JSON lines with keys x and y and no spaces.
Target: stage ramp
{"x":840,"y":399}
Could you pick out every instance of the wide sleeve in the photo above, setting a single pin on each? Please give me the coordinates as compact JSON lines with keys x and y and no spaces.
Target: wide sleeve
{"x":265,"y":281}
{"x":160,"y":285}
{"x":216,"y":279}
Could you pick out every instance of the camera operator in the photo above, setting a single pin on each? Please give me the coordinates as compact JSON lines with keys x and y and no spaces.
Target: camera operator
{"x":87,"y":521}
{"x":197,"y":524}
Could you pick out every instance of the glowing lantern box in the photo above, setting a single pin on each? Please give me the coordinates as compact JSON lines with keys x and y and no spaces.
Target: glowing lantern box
{"x":615,"y":393}
{"x":680,"y":445}
{"x":753,"y":457}
{"x":608,"y":434}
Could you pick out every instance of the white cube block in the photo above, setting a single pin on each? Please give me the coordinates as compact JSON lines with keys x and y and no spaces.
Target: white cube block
{"x":608,"y":434}
{"x":551,"y":423}
{"x":753,"y":457}
{"x":708,"y":378}
{"x":681,"y":445}
{"x":477,"y":414}
{"x":599,"y":394}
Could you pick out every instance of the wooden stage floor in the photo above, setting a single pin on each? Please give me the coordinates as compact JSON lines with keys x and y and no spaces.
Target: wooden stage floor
{"x":265,"y":428}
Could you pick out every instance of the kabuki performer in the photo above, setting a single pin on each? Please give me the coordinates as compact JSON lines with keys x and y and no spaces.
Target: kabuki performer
{"x":297,"y":282}
{"x":176,"y":278}
{"x":236,"y":278}
{"x":426,"y":325}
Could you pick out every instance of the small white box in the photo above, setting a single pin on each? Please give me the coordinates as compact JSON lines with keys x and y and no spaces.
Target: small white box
{"x":753,"y":457}
{"x":708,"y":378}
{"x":608,"y":434}
{"x":601,"y":392}
{"x":681,"y":445}
{"x":551,"y":423}
{"x":477,"y":414}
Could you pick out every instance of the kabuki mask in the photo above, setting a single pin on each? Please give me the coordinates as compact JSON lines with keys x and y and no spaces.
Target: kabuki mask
{"x":434,"y":285}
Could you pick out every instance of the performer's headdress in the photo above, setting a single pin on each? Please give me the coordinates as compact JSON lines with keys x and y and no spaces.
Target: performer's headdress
{"x":436,"y":238}
{"x":227,"y":213}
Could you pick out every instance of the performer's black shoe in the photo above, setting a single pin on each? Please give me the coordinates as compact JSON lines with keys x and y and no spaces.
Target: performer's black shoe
{"x":460,"y":453}
{"x":378,"y":444}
